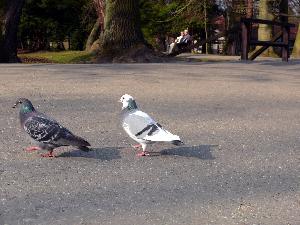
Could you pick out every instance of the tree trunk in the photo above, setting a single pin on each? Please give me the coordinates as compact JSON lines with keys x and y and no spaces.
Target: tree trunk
{"x":296,"y":49}
{"x":123,"y":40}
{"x":100,"y":9}
{"x":94,"y":35}
{"x":92,"y":43}
{"x":9,"y":29}
{"x":264,"y":30}
{"x":249,"y":11}
{"x":122,"y":25}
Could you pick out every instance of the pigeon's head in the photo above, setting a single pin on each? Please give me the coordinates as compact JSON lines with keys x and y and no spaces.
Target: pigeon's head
{"x":26,"y":105}
{"x":128,"y":102}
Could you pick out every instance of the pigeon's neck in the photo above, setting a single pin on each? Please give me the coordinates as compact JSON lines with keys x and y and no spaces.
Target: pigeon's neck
{"x":132,"y":105}
{"x":26,"y":108}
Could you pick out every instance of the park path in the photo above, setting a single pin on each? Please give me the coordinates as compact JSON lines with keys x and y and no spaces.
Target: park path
{"x":240,"y":164}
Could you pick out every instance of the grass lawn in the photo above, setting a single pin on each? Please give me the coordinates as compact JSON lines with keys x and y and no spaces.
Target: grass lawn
{"x":56,"y":57}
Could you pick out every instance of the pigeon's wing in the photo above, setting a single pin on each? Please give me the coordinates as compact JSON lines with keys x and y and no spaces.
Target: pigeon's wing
{"x":137,"y":124}
{"x":44,"y":130}
{"x":141,"y":126}
{"x":160,"y":134}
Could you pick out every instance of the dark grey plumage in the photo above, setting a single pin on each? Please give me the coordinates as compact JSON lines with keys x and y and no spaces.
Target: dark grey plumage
{"x":46,"y":131}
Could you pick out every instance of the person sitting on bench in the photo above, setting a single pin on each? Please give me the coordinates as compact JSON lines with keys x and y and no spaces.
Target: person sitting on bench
{"x":181,"y":42}
{"x":173,"y":47}
{"x":185,"y":40}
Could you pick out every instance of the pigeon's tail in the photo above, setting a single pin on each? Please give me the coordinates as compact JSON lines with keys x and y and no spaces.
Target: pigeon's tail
{"x":84,"y":148}
{"x":79,"y":142}
{"x":177,"y":142}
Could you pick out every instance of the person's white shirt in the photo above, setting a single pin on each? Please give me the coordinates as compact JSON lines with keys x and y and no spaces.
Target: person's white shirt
{"x":178,"y":39}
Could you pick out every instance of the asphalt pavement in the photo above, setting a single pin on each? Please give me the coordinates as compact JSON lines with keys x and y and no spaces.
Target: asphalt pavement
{"x":240,"y":163}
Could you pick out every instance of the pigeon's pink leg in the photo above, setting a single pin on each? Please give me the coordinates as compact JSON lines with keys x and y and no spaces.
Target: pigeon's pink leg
{"x":143,"y":153}
{"x":32,"y":148}
{"x":48,"y":155}
{"x":137,"y":146}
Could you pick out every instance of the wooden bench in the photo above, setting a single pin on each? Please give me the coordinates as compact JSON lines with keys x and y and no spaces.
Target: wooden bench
{"x":246,"y":40}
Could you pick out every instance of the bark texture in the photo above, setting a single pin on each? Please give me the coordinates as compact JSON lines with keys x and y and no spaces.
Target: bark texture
{"x":9,"y":29}
{"x":94,"y":35}
{"x":296,"y":49}
{"x":264,"y":30}
{"x":249,"y":10}
{"x":122,"y":40}
{"x":100,"y":9}
{"x":92,"y":43}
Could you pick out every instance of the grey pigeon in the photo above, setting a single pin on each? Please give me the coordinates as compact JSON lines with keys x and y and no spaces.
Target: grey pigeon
{"x":142,"y":128}
{"x":47,"y":132}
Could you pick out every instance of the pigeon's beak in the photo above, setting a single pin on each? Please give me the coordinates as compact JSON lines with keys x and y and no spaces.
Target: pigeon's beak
{"x":16,"y":104}
{"x":120,"y":101}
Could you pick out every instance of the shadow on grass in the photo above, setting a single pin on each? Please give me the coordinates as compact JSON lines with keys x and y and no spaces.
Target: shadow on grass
{"x":203,"y":152}
{"x":106,"y":153}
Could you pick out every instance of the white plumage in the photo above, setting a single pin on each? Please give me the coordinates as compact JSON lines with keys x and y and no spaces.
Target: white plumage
{"x":141,"y":127}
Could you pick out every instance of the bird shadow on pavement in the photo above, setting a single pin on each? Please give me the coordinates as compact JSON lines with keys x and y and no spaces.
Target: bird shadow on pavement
{"x":201,"y":151}
{"x":106,"y":153}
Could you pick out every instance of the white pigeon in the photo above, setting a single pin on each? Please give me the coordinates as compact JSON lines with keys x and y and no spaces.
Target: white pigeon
{"x":142,"y":128}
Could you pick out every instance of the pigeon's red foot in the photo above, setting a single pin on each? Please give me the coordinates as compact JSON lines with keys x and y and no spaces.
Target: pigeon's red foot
{"x":137,"y":146}
{"x":32,"y":148}
{"x":143,"y":153}
{"x":48,"y":155}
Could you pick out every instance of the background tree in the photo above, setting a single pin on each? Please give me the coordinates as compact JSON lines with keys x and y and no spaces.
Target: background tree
{"x":54,"y":22}
{"x":296,"y":49}
{"x":295,"y":8}
{"x":100,"y":9}
{"x":265,"y":30}
{"x":250,"y":7}
{"x":233,"y":11}
{"x":10,"y":17}
{"x":98,"y":28}
{"x":164,"y":19}
{"x":123,"y":39}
